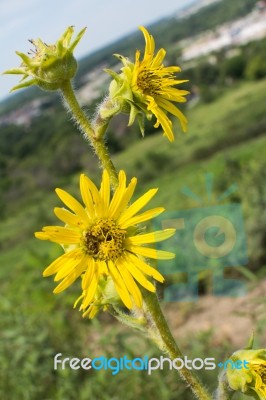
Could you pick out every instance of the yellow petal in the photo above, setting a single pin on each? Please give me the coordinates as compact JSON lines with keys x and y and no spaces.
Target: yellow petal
{"x":78,"y":300}
{"x":90,"y":292}
{"x":60,"y":261}
{"x":41,"y":235}
{"x":174,"y":94}
{"x":152,"y":237}
{"x":120,"y":285}
{"x":59,"y":234}
{"x":125,"y":198}
{"x":72,"y":203}
{"x":144,"y":267}
{"x":101,"y":267}
{"x":152,"y":253}
{"x":91,"y":312}
{"x":138,"y":275}
{"x":105,"y":190}
{"x":168,"y":106}
{"x":69,"y":267}
{"x":142,"y":217}
{"x":68,"y":217}
{"x":158,"y":59}
{"x":162,"y":119}
{"x":118,"y":195}
{"x":150,"y":45}
{"x":90,"y":270}
{"x":174,"y":69}
{"x":69,"y":279}
{"x":90,"y":196}
{"x":137,"y":205}
{"x":131,"y":285}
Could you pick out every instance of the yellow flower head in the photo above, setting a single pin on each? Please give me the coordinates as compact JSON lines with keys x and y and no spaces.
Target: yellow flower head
{"x":250,"y":380}
{"x":102,"y":243}
{"x":147,"y":87}
{"x":51,"y":65}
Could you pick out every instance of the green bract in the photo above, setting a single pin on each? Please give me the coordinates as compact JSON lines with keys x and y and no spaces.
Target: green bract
{"x":250,"y":380}
{"x":51,"y":65}
{"x":122,"y":98}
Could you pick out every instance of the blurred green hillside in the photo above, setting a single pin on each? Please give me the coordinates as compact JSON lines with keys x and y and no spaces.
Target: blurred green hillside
{"x":226,"y":138}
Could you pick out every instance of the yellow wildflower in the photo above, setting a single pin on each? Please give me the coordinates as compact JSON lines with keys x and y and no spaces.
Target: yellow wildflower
{"x":147,"y":87}
{"x":102,"y":241}
{"x":252,"y":379}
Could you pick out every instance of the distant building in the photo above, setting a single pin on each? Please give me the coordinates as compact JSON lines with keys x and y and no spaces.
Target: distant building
{"x":238,"y":32}
{"x":261,"y":5}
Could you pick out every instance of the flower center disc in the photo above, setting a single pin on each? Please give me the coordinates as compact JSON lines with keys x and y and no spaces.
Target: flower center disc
{"x":105,"y":240}
{"x":149,"y":82}
{"x":262,"y":373}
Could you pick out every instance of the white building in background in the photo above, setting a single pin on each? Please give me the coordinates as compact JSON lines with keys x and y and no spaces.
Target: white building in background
{"x":241,"y":31}
{"x":194,"y":7}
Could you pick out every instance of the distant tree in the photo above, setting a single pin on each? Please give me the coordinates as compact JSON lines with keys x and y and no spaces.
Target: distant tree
{"x":256,"y":68}
{"x":206,"y":74}
{"x":234,"y":67}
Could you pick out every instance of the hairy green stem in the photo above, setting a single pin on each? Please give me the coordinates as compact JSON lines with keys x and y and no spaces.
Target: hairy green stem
{"x":223,"y":391}
{"x":100,"y":124}
{"x":167,"y":343}
{"x":86,"y":127}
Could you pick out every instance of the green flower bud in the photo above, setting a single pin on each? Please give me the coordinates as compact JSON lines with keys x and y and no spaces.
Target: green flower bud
{"x":252,"y":379}
{"x":105,"y":295}
{"x":51,"y":65}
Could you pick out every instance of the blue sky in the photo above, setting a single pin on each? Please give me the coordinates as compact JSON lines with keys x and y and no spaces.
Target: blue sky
{"x":106,"y":21}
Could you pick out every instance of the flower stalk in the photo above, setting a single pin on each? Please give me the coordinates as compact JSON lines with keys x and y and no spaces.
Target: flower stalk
{"x":85,"y":126}
{"x":223,"y":392}
{"x":167,"y":343}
